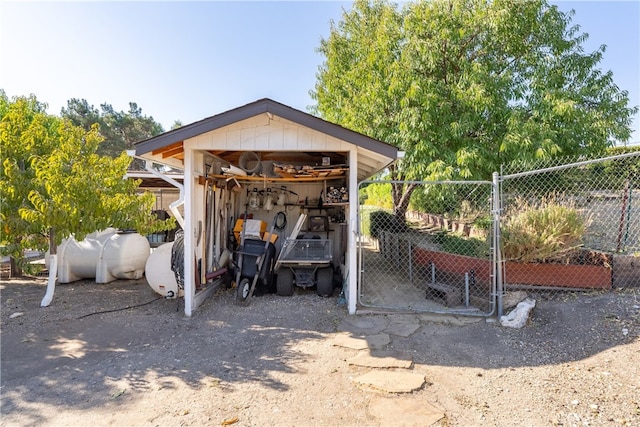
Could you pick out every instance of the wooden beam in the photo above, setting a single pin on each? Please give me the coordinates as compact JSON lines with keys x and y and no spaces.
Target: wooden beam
{"x":173,"y":152}
{"x":168,"y":147}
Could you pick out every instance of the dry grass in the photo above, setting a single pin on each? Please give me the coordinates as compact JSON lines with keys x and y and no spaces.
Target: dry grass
{"x":549,"y":230}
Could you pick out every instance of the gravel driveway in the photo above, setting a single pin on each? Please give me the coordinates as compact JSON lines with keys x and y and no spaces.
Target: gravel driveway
{"x":280,"y":362}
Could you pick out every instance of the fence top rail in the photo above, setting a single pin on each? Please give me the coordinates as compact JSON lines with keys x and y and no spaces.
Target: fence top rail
{"x":570,"y":165}
{"x":425,"y":182}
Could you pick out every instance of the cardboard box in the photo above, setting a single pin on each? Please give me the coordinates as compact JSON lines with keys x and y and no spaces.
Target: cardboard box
{"x":273,"y":237}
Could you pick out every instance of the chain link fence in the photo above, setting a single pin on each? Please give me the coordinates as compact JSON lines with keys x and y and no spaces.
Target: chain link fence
{"x":573,"y":225}
{"x":569,"y":226}
{"x":439,"y":259}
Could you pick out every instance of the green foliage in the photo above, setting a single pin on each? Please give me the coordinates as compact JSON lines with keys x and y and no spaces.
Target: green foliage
{"x":483,"y":222}
{"x":377,"y":195}
{"x":464,"y":202}
{"x":365,"y":219}
{"x":119,"y":129}
{"x":436,"y":199}
{"x":542,"y":232}
{"x":464,"y":86}
{"x":610,"y":175}
{"x":467,"y":246}
{"x":618,"y":174}
{"x":359,"y":52}
{"x":373,"y":220}
{"x":53,"y":179}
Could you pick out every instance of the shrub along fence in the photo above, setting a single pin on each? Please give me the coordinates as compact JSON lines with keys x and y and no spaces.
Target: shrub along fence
{"x":467,"y":247}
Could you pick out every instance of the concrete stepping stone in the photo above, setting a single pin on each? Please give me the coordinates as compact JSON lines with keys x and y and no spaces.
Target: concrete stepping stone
{"x":372,"y":342}
{"x":392,"y":382}
{"x":380,"y":359}
{"x":448,"y":319}
{"x":404,"y":412}
{"x":358,"y":325}
{"x":402,"y":329}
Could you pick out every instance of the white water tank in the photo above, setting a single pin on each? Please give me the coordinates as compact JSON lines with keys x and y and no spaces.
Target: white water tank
{"x":104,"y":255}
{"x":159,"y":274}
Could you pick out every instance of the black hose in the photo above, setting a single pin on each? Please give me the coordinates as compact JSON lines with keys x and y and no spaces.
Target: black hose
{"x":280,"y":221}
{"x":120,"y":309}
{"x":177,"y":259}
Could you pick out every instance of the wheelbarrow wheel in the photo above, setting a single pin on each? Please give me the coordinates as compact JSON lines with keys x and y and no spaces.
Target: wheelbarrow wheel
{"x":242,"y":293}
{"x":284,"y":285}
{"x":324,"y":286}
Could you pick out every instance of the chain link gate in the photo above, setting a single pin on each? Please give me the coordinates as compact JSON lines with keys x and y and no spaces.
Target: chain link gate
{"x":572,"y":226}
{"x":440,"y":261}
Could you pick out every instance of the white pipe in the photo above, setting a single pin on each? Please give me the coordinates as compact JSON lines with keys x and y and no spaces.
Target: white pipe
{"x":51,"y":284}
{"x":173,"y":207}
{"x":234,"y":170}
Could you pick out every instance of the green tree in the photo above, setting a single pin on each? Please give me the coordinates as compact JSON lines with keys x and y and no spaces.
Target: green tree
{"x":120,"y":129}
{"x":463,"y":86}
{"x":54,"y":184}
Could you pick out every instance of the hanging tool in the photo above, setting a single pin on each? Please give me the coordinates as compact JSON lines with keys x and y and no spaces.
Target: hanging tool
{"x":216,"y":268}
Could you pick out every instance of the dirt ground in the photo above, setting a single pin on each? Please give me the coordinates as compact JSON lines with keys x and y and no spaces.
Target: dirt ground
{"x":275,"y":362}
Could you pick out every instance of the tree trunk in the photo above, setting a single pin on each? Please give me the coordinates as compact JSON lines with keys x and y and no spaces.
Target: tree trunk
{"x":14,"y":268}
{"x":53,"y":248}
{"x":401,"y":196}
{"x":400,"y":193}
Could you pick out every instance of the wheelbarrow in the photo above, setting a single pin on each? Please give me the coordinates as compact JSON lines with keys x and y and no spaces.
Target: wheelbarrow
{"x":256,"y":260}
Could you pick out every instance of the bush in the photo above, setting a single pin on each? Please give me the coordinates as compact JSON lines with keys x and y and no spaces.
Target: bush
{"x":467,"y":246}
{"x":385,"y":221}
{"x":376,"y":194}
{"x":483,"y":222}
{"x":543,"y":232}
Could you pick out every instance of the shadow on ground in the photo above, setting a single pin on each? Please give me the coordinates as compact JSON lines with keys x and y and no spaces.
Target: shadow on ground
{"x":55,"y":356}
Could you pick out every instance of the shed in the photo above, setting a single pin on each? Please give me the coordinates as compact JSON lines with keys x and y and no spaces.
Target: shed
{"x":265,"y":148}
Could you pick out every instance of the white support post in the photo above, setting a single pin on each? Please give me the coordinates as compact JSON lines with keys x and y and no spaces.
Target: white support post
{"x":352,"y":247}
{"x":190,"y":230}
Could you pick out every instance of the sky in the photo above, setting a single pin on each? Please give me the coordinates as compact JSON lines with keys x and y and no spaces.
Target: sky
{"x":190,"y":60}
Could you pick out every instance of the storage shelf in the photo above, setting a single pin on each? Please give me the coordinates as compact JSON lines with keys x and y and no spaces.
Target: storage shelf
{"x":241,"y":178}
{"x":324,"y":205}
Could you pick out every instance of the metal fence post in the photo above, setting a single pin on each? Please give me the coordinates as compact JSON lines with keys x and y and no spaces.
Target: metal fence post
{"x":466,"y":289}
{"x":497,"y":258}
{"x":410,"y":262}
